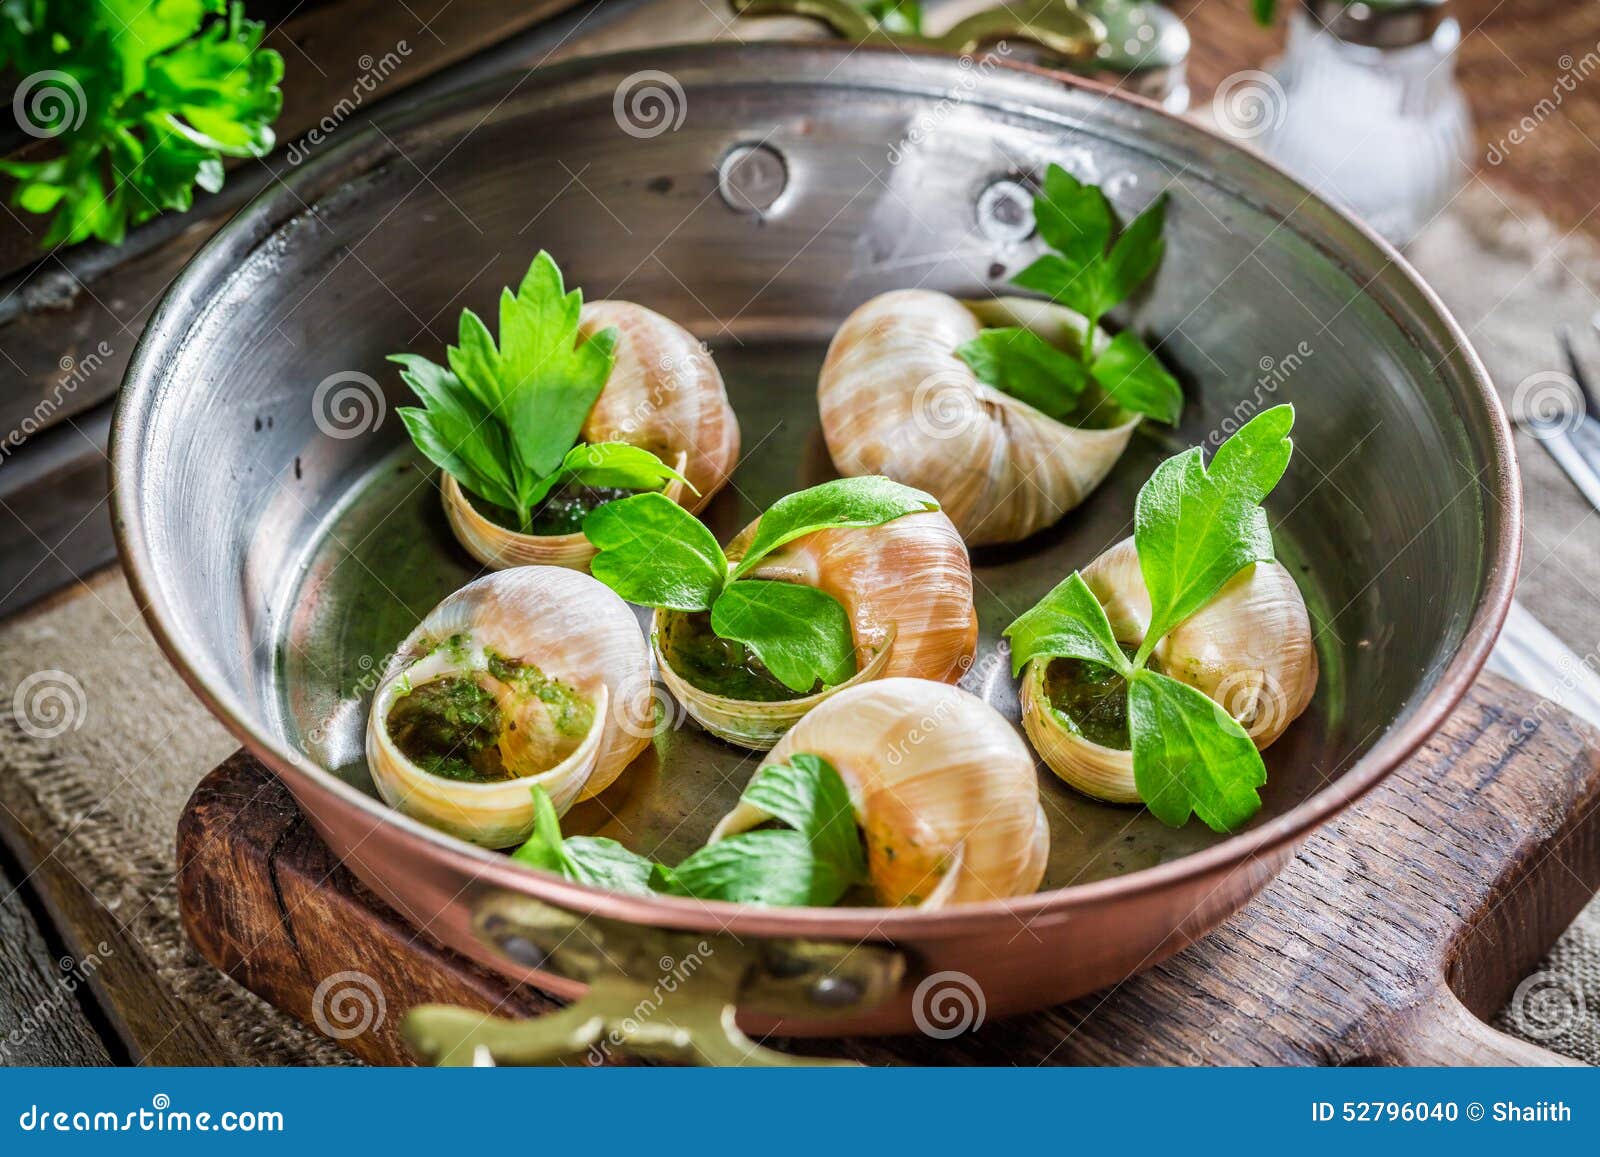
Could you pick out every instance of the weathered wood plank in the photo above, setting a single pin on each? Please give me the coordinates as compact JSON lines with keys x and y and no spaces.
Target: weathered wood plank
{"x":1426,"y":899}
{"x":41,"y":1019}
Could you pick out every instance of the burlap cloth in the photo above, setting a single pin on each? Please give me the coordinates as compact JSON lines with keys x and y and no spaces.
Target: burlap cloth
{"x":107,"y":795}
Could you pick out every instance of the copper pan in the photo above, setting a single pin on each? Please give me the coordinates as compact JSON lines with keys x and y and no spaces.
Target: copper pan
{"x":281,"y":537}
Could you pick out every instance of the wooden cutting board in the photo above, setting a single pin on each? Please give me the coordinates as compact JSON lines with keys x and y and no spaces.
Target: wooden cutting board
{"x":1392,"y":932}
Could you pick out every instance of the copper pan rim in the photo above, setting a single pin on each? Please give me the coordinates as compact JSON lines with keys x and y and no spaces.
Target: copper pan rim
{"x":1358,"y":247}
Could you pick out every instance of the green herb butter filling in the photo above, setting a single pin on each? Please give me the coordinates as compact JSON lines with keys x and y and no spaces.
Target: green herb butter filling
{"x":450,"y":728}
{"x":1091,"y":699}
{"x":722,"y":666}
{"x":506,"y":722}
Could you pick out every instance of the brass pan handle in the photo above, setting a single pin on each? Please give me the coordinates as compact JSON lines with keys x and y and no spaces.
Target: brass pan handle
{"x":1056,"y":25}
{"x":655,"y":993}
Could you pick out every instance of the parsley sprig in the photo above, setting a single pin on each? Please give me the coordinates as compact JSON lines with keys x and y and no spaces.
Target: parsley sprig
{"x":1194,"y":528}
{"x":142,"y":100}
{"x":1090,"y":269}
{"x":655,"y":553}
{"x":813,"y":859}
{"x":504,"y":419}
{"x":902,"y":16}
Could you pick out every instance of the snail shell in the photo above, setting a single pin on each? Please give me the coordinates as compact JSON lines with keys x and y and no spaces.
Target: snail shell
{"x":1250,"y":649}
{"x":906,"y":587}
{"x":664,"y":395}
{"x":896,"y":400}
{"x":580,"y":637}
{"x":943,"y":789}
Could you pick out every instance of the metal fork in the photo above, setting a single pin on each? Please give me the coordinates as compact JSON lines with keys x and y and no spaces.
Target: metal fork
{"x":1573,"y":440}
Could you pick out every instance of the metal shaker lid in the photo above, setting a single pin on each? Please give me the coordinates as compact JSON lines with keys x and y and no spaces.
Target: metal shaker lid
{"x":1378,"y":23}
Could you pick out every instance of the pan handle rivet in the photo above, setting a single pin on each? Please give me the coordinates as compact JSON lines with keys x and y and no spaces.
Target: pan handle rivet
{"x":751,"y":178}
{"x":836,"y":991}
{"x":1005,"y":212}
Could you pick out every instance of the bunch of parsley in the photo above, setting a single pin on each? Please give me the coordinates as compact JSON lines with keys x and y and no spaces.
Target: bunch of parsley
{"x":655,"y":553}
{"x":504,"y":419}
{"x":1194,"y":529}
{"x":1091,"y":268}
{"x":813,"y":859}
{"x":145,"y":99}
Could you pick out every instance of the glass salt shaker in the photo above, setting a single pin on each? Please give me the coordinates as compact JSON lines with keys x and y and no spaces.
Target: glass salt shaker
{"x":1367,"y":110}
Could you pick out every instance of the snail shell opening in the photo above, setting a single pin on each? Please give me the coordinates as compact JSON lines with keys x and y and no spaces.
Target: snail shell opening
{"x":1250,"y":649}
{"x":906,"y":587}
{"x":664,"y":394}
{"x":532,"y":676}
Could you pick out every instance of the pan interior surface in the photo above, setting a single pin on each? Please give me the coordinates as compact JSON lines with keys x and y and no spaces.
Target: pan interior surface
{"x":288,"y":544}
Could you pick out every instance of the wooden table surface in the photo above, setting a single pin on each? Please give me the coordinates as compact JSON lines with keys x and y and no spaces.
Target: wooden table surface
{"x":1515,"y":54}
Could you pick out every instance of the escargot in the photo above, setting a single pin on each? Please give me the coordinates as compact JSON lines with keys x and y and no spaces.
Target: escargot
{"x":1250,"y":649}
{"x":527,"y":676}
{"x":905,"y":586}
{"x":944,"y":791}
{"x":897,"y":400}
{"x":664,"y":394}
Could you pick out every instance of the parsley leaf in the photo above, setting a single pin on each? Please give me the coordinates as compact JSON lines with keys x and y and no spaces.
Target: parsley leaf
{"x":503,"y":419}
{"x":1090,"y":273}
{"x":845,"y":502}
{"x":153,"y":96}
{"x":1130,"y":373}
{"x":1068,"y":623}
{"x":616,"y":465}
{"x":1019,"y":362}
{"x":815,"y":861}
{"x":541,"y":381}
{"x":802,"y":635}
{"x":592,"y":860}
{"x":655,"y":553}
{"x":1189,"y":754}
{"x":1196,"y":528}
